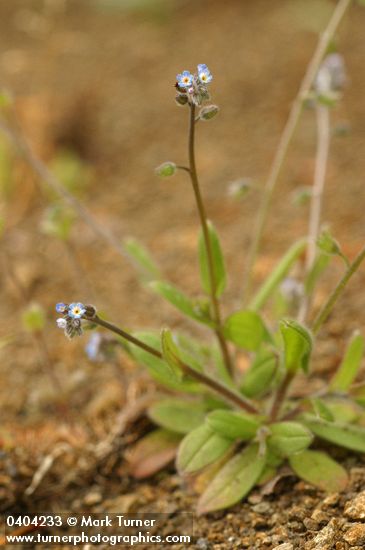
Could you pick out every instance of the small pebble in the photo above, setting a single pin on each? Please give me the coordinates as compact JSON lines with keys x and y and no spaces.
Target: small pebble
{"x":355,"y":509}
{"x":94,"y":497}
{"x":356,"y":534}
{"x":262,"y":508}
{"x":285,"y":546}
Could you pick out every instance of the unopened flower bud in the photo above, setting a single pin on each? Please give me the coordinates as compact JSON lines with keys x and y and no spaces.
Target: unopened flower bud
{"x":166,"y":169}
{"x":208,"y":112}
{"x":181,"y":99}
{"x":327,"y":244}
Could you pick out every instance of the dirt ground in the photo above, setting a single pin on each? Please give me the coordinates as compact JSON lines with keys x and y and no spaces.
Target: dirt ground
{"x":96,"y":78}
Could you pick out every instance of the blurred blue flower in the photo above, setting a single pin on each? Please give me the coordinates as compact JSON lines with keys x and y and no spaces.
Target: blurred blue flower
{"x":61,"y":307}
{"x":76,"y":310}
{"x":92,"y":348}
{"x":184,"y":79}
{"x":204,"y":74}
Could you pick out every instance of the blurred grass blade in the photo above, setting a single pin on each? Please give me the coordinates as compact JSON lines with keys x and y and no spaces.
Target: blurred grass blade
{"x":278,"y":274}
{"x":218,"y":262}
{"x":142,"y":259}
{"x":350,"y":365}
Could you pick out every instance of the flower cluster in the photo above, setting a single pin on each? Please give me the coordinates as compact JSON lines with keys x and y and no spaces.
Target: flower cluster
{"x":72,"y":314}
{"x":192,"y":88}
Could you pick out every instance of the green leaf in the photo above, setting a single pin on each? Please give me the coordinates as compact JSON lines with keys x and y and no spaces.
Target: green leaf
{"x":320,"y":470}
{"x":358,"y":393}
{"x":320,"y":264}
{"x":260,"y":375}
{"x":350,"y":365}
{"x":142,"y":259}
{"x":245,"y":329}
{"x":234,"y":481}
{"x":320,"y":409}
{"x":171,"y":353}
{"x":344,"y":435}
{"x":278,"y":274}
{"x":235,"y":425}
{"x":217,"y":260}
{"x":344,"y":410}
{"x":152,"y":453}
{"x":297,"y":345}
{"x":177,"y":415}
{"x":158,"y":368}
{"x":178,"y":299}
{"x":287,"y":438}
{"x":200,"y":448}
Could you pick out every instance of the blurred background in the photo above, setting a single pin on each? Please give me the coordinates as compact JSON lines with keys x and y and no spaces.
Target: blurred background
{"x":92,"y":82}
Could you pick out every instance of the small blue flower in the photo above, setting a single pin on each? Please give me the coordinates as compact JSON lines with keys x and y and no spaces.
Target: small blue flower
{"x":61,"y":307}
{"x":184,"y":79}
{"x":204,"y":74}
{"x":76,"y":310}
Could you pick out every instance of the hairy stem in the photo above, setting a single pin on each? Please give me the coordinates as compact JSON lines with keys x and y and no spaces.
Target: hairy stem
{"x":323,"y":142}
{"x":280,"y":396}
{"x":287,"y":136}
{"x":203,"y":221}
{"x":336,"y":293}
{"x":211,"y":383}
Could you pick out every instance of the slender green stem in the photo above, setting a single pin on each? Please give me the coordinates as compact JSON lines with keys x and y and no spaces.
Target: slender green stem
{"x":204,"y":225}
{"x":211,"y":383}
{"x":287,"y":137}
{"x":280,"y":396}
{"x":329,"y":305}
{"x":323,"y":143}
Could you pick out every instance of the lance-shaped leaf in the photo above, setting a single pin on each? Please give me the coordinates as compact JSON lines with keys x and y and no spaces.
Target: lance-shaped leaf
{"x":235,"y":425}
{"x":177,"y":415}
{"x":234,"y":481}
{"x":287,"y":438}
{"x":200,"y":448}
{"x":260,"y":375}
{"x":245,"y":329}
{"x":297,"y":345}
{"x":320,"y":264}
{"x":320,"y":409}
{"x":345,"y":435}
{"x":358,"y":393}
{"x":178,"y":299}
{"x":142,"y":259}
{"x":277,"y":275}
{"x":219,"y":269}
{"x":350,"y":365}
{"x":158,"y":368}
{"x":170,"y":353}
{"x":344,"y":410}
{"x":152,"y":453}
{"x":320,"y":470}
